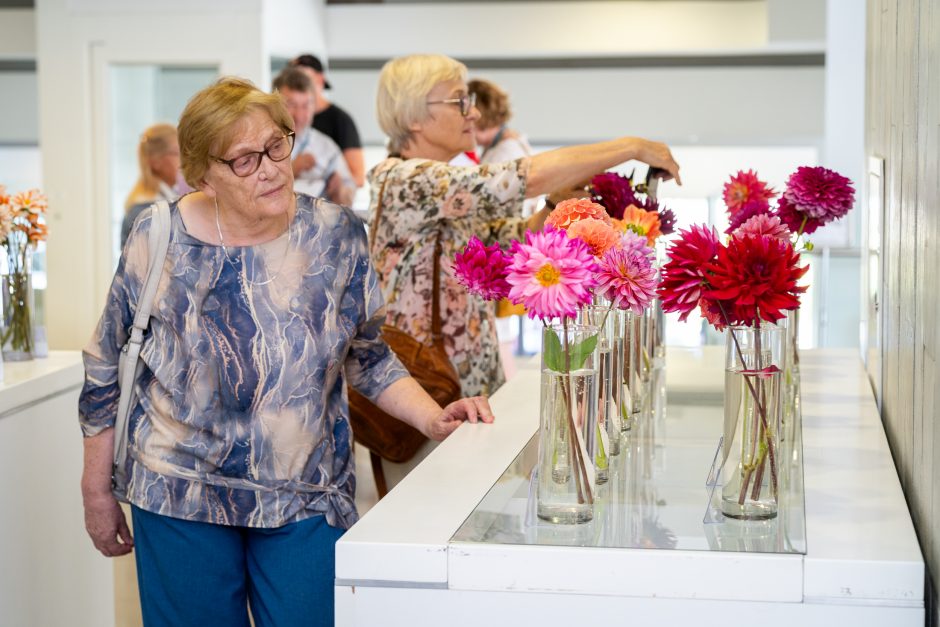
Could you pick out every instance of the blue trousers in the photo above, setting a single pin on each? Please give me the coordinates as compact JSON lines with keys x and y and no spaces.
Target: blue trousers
{"x":200,"y":575}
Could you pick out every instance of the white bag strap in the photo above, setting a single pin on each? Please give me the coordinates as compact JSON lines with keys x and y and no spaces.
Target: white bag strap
{"x":158,"y":243}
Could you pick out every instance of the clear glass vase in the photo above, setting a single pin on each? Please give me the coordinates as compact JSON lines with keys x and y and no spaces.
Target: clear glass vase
{"x":568,"y":431}
{"x":751,"y":460}
{"x":605,"y":318}
{"x":16,"y":284}
{"x":634,"y":389}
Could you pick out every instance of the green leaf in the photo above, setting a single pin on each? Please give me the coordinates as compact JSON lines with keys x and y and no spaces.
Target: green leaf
{"x":552,"y":351}
{"x":580,"y":351}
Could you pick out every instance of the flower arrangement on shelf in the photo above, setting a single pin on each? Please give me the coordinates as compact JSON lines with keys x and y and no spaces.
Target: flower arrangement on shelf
{"x":578,"y":258}
{"x":22,"y":227}
{"x":749,"y":279}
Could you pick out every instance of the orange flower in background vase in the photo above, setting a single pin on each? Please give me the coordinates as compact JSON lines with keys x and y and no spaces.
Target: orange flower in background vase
{"x":599,"y":236}
{"x":573,"y":210}
{"x":641,"y":222}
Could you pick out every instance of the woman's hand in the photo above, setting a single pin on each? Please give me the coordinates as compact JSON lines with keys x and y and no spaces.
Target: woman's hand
{"x":658,"y":155}
{"x":473,"y":409}
{"x":107,"y":526}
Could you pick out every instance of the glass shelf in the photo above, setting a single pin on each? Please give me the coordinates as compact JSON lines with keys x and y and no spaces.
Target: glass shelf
{"x":656,"y":497}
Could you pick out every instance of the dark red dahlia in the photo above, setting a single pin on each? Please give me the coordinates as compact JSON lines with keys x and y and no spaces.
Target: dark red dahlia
{"x":614,"y":192}
{"x":684,"y":275}
{"x":754,"y":278}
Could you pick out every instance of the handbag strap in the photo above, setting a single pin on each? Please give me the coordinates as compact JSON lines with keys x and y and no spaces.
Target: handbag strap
{"x":159,"y":240}
{"x":436,"y":323}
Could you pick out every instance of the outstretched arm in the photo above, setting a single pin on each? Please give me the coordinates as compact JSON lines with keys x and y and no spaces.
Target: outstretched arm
{"x":564,"y":167}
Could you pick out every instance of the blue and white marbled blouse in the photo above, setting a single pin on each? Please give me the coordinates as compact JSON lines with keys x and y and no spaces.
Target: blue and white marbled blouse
{"x":242,"y":416}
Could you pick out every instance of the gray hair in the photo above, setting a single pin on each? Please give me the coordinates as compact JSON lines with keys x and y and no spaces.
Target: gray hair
{"x":404,"y":85}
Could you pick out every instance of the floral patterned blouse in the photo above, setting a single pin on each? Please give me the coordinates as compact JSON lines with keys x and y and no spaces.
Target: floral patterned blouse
{"x":421,"y":198}
{"x":242,"y":416}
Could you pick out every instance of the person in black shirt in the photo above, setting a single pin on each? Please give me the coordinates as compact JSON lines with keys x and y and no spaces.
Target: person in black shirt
{"x":333,"y":121}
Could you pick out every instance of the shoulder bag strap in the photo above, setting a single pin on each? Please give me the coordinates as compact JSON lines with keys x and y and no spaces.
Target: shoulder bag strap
{"x":159,"y":240}
{"x":436,"y":324}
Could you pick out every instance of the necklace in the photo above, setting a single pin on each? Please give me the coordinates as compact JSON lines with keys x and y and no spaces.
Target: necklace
{"x":218,"y":226}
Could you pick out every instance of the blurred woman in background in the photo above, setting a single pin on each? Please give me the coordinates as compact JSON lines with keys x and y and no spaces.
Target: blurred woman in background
{"x":158,"y":155}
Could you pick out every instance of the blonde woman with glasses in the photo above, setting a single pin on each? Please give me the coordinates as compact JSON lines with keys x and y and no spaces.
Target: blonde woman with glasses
{"x":427,"y":208}
{"x":240,"y":472}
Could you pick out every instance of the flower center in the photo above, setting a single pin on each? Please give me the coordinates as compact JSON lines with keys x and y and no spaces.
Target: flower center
{"x":636,"y":228}
{"x":548,"y":275}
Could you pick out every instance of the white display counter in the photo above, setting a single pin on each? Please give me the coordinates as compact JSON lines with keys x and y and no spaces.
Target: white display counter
{"x":50,"y":574}
{"x":452,"y":545}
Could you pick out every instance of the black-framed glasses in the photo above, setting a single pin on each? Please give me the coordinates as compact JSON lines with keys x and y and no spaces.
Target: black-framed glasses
{"x":248,"y":163}
{"x":466,"y":103}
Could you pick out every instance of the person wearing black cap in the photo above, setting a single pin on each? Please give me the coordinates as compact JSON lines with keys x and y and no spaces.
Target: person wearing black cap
{"x":332,"y":120}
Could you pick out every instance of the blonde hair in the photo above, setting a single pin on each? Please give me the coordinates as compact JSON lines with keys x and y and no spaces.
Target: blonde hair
{"x":492,"y":102}
{"x":206,"y":126}
{"x":404,"y":85}
{"x":155,"y":141}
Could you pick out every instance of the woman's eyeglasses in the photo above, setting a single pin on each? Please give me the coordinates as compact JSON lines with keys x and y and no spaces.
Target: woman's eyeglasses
{"x":248,"y":163}
{"x":466,"y":103}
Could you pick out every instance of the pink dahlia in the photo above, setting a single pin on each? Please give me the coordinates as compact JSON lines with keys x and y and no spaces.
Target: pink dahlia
{"x":764,"y":225}
{"x":551,"y":275}
{"x":482,"y":269}
{"x":599,"y":236}
{"x":627,"y":279}
{"x":567,"y":212}
{"x":684,"y":276}
{"x":746,"y":190}
{"x":635,"y":244}
{"x":754,"y":278}
{"x":745,"y":213}
{"x":614,"y":192}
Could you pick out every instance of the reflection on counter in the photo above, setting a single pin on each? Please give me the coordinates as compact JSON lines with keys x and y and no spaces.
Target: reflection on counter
{"x":655,"y":497}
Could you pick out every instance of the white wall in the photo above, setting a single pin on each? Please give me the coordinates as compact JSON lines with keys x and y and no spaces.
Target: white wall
{"x":708,"y":106}
{"x":534,"y":29}
{"x":76,"y":42}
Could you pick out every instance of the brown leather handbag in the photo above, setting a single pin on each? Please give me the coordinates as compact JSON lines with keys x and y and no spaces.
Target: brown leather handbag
{"x":385,"y":436}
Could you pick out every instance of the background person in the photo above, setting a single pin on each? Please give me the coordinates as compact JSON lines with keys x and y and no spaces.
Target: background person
{"x":240,"y":473}
{"x":317,"y":162}
{"x":333,"y":121}
{"x":158,"y":156}
{"x":428,"y":113}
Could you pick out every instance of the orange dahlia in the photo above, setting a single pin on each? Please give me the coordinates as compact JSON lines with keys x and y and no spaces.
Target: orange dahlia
{"x":641,"y":222}
{"x":599,"y":236}
{"x":567,"y":212}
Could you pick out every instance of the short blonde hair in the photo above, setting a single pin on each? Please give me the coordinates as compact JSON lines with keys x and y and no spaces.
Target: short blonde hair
{"x":492,"y":102}
{"x":404,"y":85}
{"x":205,"y":128}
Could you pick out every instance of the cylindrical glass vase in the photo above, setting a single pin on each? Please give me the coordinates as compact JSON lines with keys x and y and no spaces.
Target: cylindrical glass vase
{"x":568,"y":423}
{"x":16,"y":283}
{"x":751,"y":461}
{"x":605,"y":319}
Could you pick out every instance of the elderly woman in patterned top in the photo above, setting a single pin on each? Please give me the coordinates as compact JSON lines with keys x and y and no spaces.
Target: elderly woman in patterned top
{"x":427,"y":112}
{"x":240,"y":471}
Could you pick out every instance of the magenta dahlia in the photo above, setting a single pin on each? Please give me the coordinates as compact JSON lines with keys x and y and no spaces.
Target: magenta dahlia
{"x":482,"y":269}
{"x":627,"y":279}
{"x":684,"y":277}
{"x":551,"y":274}
{"x":813,"y":198}
{"x":614,"y":192}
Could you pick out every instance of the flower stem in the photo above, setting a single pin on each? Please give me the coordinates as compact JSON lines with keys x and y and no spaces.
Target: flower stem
{"x":580,"y":471}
